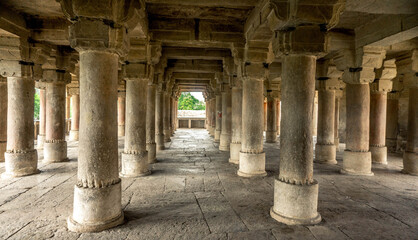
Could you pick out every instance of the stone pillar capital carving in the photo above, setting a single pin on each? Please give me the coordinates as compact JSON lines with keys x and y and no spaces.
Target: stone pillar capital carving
{"x":255,"y":71}
{"x":137,"y":71}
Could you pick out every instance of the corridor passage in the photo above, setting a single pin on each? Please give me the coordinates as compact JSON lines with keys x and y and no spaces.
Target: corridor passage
{"x":194,"y":193}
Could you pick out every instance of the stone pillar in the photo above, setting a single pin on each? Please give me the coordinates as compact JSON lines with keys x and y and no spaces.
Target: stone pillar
{"x":252,"y":158}
{"x":392,"y":121}
{"x":21,"y":158}
{"x":315,"y":116}
{"x":359,"y":70}
{"x":159,"y":119}
{"x":121,"y":113}
{"x":278,"y":116}
{"x":214,"y":115}
{"x":337,"y":121}
{"x":225,"y":139}
{"x":218,"y":117}
{"x":325,"y":148}
{"x":151,"y":145}
{"x":271,"y":133}
{"x":410,"y":157}
{"x":166,"y":118}
{"x":135,"y":156}
{"x":295,"y":189}
{"x":75,"y":117}
{"x":55,"y":146}
{"x":235,"y":146}
{"x":68,"y":114}
{"x":97,"y":194}
{"x":328,"y":82}
{"x":42,"y":119}
{"x":3,"y":117}
{"x":264,"y":115}
{"x":172,"y":116}
{"x":378,"y":106}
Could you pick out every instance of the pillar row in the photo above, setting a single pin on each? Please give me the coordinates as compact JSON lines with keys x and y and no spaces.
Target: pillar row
{"x":225,"y":138}
{"x":235,"y":146}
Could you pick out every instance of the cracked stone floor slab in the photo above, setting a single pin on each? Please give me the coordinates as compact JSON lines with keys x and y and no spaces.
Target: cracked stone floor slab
{"x":194,"y":193}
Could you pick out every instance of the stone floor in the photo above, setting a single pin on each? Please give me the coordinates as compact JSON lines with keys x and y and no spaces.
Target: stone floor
{"x":194,"y":193}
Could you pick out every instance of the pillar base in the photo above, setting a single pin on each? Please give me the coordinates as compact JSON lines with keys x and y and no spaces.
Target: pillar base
{"x":379,"y":155}
{"x":325,"y":154}
{"x":55,"y":152}
{"x":271,"y":136}
{"x":295,"y":204}
{"x":20,"y":164}
{"x":40,"y":141}
{"x":357,"y":163}
{"x":74,"y":135}
{"x":96,"y":209}
{"x":410,"y":163}
{"x":121,"y":130}
{"x":224,"y":143}
{"x":217,"y":136}
{"x":135,"y":165}
{"x":152,"y":152}
{"x":252,"y":164}
{"x":234,"y":149}
{"x":3,"y":146}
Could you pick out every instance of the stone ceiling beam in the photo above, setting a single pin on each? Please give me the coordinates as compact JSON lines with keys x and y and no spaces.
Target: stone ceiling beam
{"x":195,"y":53}
{"x":13,"y":22}
{"x":212,"y":3}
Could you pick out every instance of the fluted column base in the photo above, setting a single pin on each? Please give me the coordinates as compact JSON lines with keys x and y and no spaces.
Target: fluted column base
{"x":325,"y":154}
{"x":295,"y":204}
{"x":410,"y":163}
{"x":234,"y":149}
{"x":379,"y":155}
{"x":224,"y":142}
{"x":20,"y":164}
{"x":271,"y":136}
{"x":135,"y":165}
{"x":252,"y":164}
{"x":87,"y":201}
{"x":40,"y":141}
{"x":357,"y":163}
{"x":74,"y":135}
{"x":152,"y":152}
{"x":55,"y":152}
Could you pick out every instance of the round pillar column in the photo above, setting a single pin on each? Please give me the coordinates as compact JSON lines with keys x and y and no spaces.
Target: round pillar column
{"x":278,"y":117}
{"x":336,"y":124}
{"x":67,"y":115}
{"x":410,"y":157}
{"x":378,"y":106}
{"x":3,"y":117}
{"x":325,"y":148}
{"x":97,"y":194}
{"x":121,"y":114}
{"x":21,"y":158}
{"x":151,"y":145}
{"x":295,"y":189}
{"x":166,"y":118}
{"x":252,"y":158}
{"x":392,"y":121}
{"x":218,"y":128}
{"x":42,"y":119}
{"x":271,"y":133}
{"x":55,"y":146}
{"x":75,"y":117}
{"x":357,"y":157}
{"x":135,"y":156}
{"x":225,"y":139}
{"x":235,"y":146}
{"x":159,"y":116}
